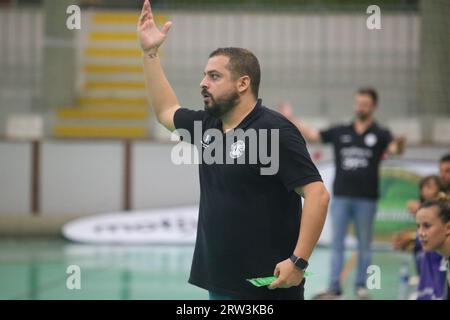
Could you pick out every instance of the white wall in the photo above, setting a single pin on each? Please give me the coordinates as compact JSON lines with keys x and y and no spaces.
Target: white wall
{"x":15,"y":177}
{"x":81,"y":177}
{"x":157,"y":182}
{"x":86,"y":177}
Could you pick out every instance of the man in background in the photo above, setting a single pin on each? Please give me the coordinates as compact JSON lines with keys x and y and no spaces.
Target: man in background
{"x":359,"y":147}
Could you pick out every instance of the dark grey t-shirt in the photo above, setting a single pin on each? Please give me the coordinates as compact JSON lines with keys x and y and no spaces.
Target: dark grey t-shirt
{"x":357,"y":159}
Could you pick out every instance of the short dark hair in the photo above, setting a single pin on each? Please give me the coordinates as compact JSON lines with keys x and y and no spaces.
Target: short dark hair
{"x":370,"y":92}
{"x":445,"y":158}
{"x":427,"y":179}
{"x":242,"y":63}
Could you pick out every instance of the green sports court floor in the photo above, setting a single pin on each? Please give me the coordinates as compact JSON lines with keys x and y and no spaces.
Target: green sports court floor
{"x":35,"y":268}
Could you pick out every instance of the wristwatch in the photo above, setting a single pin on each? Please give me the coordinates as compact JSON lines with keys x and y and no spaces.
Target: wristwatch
{"x":300,"y":263}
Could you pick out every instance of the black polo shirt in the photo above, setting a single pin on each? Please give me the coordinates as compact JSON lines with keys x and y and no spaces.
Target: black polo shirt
{"x":357,"y":159}
{"x":248,"y":222}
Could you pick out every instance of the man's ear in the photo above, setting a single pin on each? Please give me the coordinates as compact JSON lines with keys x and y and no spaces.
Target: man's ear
{"x":243,"y":83}
{"x":447,"y":229}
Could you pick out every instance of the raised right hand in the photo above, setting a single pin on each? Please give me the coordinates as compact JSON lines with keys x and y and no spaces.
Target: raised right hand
{"x":150,"y":37}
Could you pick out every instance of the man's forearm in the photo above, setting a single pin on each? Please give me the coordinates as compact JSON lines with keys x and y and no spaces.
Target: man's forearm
{"x":313,"y":219}
{"x":159,"y":90}
{"x":310,"y":134}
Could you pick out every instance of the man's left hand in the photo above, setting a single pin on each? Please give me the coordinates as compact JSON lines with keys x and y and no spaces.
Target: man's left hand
{"x":288,"y":275}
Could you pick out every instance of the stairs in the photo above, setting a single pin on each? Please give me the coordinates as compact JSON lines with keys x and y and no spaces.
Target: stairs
{"x":111,"y":101}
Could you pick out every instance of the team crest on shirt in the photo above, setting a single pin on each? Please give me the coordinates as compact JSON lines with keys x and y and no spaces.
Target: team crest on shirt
{"x":237,"y":149}
{"x":370,"y":140}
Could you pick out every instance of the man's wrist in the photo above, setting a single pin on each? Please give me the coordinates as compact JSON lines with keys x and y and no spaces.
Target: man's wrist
{"x":152,"y":53}
{"x":299,"y":262}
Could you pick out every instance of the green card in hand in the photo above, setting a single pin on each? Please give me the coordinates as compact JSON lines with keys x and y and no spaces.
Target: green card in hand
{"x":261,"y":282}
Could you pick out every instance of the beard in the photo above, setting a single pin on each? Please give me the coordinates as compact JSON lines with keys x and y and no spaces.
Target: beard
{"x":363,"y":116}
{"x":217,"y":107}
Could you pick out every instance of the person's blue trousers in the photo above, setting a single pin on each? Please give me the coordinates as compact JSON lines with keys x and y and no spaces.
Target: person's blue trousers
{"x":362,"y":212}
